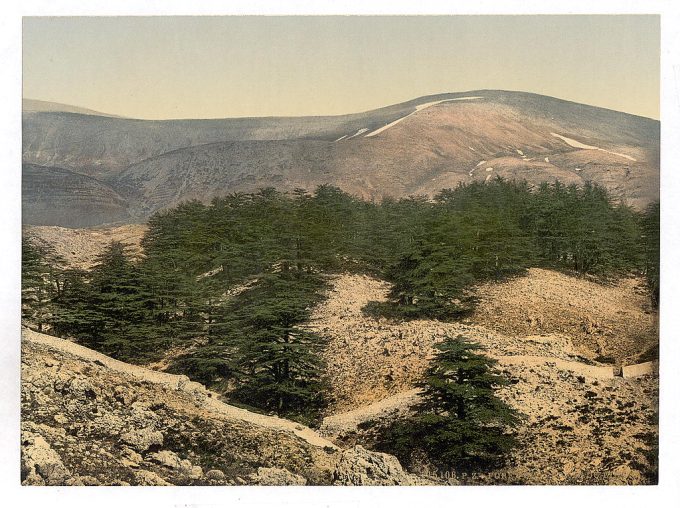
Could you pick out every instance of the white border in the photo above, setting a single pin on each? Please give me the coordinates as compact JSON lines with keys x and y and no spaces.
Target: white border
{"x":666,"y":494}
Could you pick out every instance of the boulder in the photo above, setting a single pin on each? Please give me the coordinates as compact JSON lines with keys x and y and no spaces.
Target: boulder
{"x":275,"y":476}
{"x":142,"y":439}
{"x":166,"y":458}
{"x":171,"y":460}
{"x":215,"y":475}
{"x":358,"y":466}
{"x":40,"y":464}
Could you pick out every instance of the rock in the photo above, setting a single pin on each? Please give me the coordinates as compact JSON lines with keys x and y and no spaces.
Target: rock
{"x":123,"y":394}
{"x":215,"y":475}
{"x":149,"y":478}
{"x":40,"y":464}
{"x":131,"y":456}
{"x":143,"y":439}
{"x":622,"y":472}
{"x":60,"y":418}
{"x":195,"y":472}
{"x":89,"y":480}
{"x":83,"y":389}
{"x":275,"y":476}
{"x":166,"y":458}
{"x":171,"y":460}
{"x":358,"y":466}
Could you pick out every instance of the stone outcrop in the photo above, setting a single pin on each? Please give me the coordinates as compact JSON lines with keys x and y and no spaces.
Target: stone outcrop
{"x":90,"y":420}
{"x":40,"y":464}
{"x":359,"y":466}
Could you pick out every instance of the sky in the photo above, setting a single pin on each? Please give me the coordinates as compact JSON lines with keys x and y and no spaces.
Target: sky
{"x":231,"y":66}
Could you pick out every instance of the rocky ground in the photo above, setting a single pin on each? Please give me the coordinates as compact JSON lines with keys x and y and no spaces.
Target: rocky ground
{"x":582,"y":423}
{"x":90,"y":420}
{"x":79,"y":248}
{"x":613,"y":321}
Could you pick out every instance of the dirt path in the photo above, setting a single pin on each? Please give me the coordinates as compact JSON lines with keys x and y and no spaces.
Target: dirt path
{"x":210,"y":400}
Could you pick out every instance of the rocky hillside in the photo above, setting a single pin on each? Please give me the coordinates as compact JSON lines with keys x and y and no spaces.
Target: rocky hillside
{"x":417,"y":147}
{"x":583,"y":424}
{"x":79,"y":247}
{"x":613,"y":322}
{"x":371,"y":359}
{"x":90,"y":420}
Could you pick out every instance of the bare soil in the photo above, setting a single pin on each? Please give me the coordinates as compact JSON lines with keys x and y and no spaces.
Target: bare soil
{"x":582,"y":424}
{"x":613,"y":321}
{"x":79,"y":248}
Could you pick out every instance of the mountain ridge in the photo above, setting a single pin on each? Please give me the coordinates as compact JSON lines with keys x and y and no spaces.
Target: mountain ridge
{"x":416,"y":147}
{"x":36,"y":105}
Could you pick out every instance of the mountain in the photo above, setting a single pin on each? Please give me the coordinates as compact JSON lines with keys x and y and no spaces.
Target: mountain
{"x":417,"y":147}
{"x":59,"y":197}
{"x":37,"y":106}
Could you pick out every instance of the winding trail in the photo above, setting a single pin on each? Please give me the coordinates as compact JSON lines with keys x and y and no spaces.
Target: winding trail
{"x":207,"y":399}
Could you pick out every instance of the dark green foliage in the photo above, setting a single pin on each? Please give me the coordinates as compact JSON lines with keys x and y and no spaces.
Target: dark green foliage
{"x":38,"y":266}
{"x":651,"y":240}
{"x":249,"y":343}
{"x":279,"y":362}
{"x":109,"y":309}
{"x":74,"y":312}
{"x":460,"y":424}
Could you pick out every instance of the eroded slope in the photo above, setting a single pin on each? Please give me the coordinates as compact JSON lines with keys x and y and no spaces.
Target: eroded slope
{"x":89,"y":419}
{"x":582,"y":423}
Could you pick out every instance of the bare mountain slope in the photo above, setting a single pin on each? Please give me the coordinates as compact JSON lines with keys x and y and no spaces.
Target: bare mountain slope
{"x":438,"y":146}
{"x":103,"y":146}
{"x":59,"y":197}
{"x":417,"y":147}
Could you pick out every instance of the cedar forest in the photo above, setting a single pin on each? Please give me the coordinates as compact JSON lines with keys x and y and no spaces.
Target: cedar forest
{"x":231,"y":284}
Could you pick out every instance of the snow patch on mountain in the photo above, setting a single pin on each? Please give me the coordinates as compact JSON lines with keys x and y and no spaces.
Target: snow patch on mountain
{"x":578,"y":144}
{"x":358,"y":133}
{"x":420,"y":107}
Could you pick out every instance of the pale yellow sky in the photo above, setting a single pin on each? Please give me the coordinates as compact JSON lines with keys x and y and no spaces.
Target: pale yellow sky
{"x":212,"y":67}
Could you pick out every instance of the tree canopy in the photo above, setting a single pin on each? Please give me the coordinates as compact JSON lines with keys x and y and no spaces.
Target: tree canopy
{"x":460,"y":424}
{"x":231,"y":283}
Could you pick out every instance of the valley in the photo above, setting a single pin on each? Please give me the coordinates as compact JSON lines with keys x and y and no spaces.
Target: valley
{"x":582,"y":424}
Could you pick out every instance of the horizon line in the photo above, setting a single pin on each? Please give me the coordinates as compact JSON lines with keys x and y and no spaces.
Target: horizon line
{"x":94,"y":112}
